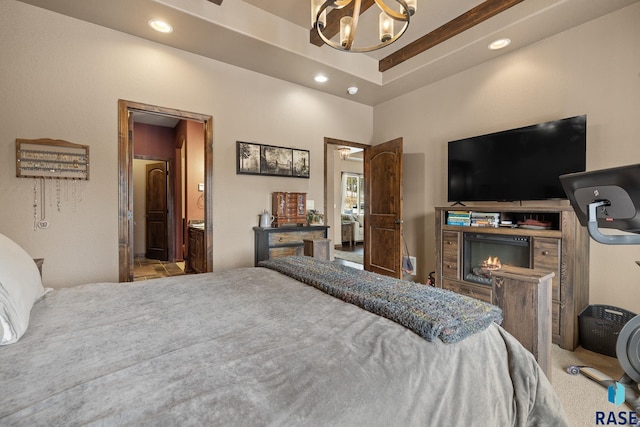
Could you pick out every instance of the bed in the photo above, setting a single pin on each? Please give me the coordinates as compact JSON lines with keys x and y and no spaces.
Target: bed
{"x":258,"y":346}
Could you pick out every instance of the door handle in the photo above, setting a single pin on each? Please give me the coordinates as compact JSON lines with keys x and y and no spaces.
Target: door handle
{"x":398,"y":221}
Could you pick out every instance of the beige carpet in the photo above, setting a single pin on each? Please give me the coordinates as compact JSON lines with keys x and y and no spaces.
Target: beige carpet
{"x":580,"y":396}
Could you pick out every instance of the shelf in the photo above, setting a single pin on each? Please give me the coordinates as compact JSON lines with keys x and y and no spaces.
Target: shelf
{"x":548,"y":216}
{"x":515,"y":231}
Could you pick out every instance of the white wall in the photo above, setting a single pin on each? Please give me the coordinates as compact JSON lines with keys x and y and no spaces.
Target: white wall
{"x":62,"y":78}
{"x":593,"y":69}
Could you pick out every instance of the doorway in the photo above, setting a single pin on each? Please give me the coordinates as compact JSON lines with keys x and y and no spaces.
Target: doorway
{"x":382,"y":206}
{"x":126,"y":111}
{"x":343,"y":200}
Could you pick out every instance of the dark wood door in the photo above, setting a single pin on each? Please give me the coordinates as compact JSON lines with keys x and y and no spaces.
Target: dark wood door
{"x":383,"y":208}
{"x":157,"y":235}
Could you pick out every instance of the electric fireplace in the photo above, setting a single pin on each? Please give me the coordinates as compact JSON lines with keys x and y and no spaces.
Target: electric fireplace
{"x":485,"y":252}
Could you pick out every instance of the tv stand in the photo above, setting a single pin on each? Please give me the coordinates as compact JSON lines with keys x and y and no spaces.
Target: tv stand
{"x":563,"y":249}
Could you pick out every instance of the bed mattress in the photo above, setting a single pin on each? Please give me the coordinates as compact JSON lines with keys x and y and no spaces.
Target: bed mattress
{"x":252,"y":346}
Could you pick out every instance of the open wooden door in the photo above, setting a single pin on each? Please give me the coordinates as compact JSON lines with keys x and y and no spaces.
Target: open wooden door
{"x":383,"y":208}
{"x":157,"y":231}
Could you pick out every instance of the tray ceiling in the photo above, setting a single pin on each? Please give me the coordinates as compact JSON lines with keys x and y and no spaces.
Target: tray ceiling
{"x":272,"y":37}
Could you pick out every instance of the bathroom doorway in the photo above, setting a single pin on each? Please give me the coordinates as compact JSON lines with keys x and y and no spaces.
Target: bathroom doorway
{"x":126,"y":112}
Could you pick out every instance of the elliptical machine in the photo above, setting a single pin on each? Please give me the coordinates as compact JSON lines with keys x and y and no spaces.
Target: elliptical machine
{"x":610,"y":198}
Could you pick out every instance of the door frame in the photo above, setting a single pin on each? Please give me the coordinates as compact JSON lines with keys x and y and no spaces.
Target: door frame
{"x":125,"y":180}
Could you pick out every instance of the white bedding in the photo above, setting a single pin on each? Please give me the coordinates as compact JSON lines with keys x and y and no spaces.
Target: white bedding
{"x":254,"y":347}
{"x":20,"y":287}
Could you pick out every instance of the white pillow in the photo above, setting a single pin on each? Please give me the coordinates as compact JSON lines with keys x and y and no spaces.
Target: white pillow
{"x":20,"y":287}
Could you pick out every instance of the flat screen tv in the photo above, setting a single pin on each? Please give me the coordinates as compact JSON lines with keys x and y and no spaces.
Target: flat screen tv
{"x":517,"y":164}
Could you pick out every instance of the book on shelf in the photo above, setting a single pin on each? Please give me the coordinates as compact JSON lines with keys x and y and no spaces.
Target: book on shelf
{"x":484,"y":224}
{"x":462,"y":218}
{"x":485,"y":215}
{"x":485,"y":219}
{"x":460,"y":223}
{"x":458,"y":214}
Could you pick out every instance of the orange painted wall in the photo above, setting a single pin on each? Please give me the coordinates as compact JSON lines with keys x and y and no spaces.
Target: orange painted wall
{"x":194,"y":170}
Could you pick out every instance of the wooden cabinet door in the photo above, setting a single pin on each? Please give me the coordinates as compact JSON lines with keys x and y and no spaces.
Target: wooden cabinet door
{"x":200,"y":268}
{"x":523,"y":294}
{"x":546,"y":256}
{"x":450,"y":254}
{"x":481,"y":292}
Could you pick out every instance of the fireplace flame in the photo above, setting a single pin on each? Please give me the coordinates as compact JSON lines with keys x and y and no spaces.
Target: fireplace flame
{"x":492,"y":263}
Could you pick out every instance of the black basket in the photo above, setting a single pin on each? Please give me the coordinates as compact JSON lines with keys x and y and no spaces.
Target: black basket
{"x":600,"y":326}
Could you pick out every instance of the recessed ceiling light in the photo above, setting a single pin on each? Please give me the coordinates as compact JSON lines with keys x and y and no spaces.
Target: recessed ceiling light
{"x":352,"y":90}
{"x":320,"y":78}
{"x":160,"y":26}
{"x":499,"y":44}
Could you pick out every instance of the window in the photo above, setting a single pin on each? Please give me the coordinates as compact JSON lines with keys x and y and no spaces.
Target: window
{"x":352,"y":193}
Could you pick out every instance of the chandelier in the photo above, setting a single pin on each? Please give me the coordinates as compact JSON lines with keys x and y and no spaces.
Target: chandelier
{"x":344,"y":153}
{"x":349,"y":24}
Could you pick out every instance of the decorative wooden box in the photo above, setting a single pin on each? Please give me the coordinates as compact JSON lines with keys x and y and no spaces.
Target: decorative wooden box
{"x":289,"y":208}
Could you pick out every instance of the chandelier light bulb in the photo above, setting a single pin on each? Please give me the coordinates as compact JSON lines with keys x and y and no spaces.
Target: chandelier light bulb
{"x":345,"y":31}
{"x":322,"y":19}
{"x":385,"y":24}
{"x":412,"y":5}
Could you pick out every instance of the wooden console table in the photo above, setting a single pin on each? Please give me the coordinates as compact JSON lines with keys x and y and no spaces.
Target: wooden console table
{"x":524,"y":295}
{"x":284,"y":241}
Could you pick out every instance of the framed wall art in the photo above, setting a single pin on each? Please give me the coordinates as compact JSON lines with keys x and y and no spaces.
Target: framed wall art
{"x":276,"y":161}
{"x":248,"y":158}
{"x":259,"y":159}
{"x":301,"y":163}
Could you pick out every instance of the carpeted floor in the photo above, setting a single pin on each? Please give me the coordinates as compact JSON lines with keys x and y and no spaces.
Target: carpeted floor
{"x":580,"y":396}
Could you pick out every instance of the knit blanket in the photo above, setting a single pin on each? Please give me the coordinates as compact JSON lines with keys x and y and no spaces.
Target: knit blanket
{"x":429,"y":312}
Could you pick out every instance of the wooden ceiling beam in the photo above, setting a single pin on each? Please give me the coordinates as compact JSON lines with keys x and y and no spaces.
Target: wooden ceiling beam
{"x":333,"y":21}
{"x":467,"y":20}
